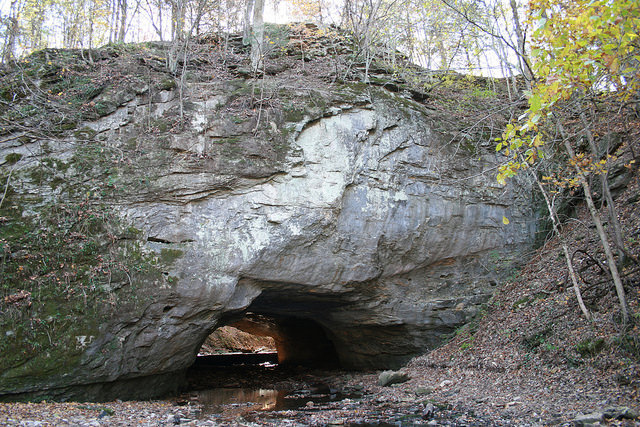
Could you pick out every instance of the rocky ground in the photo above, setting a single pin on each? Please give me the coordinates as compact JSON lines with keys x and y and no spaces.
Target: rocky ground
{"x":432,"y":396}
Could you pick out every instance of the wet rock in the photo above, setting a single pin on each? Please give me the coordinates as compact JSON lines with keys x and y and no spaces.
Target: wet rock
{"x":429,"y":411}
{"x":620,"y":413}
{"x":598,"y":417}
{"x":423,"y":391}
{"x":388,"y":378}
{"x":320,"y":388}
{"x":592,"y":419}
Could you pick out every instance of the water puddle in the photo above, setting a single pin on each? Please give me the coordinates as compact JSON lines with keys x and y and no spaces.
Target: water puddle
{"x":215,"y":400}
{"x":242,"y":400}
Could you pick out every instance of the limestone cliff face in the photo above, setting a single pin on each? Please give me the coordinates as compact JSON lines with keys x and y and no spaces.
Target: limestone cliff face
{"x":346,"y":218}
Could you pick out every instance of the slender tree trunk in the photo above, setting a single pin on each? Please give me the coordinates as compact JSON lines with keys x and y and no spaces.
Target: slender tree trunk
{"x":113,"y":30}
{"x":606,"y":193}
{"x":246,"y":25}
{"x":10,"y":41}
{"x":257,"y":36}
{"x":613,"y":269}
{"x":159,"y":29}
{"x":565,"y":249}
{"x":36,"y":26}
{"x":123,"y":20}
{"x":522,"y":55}
{"x":442,"y":51}
{"x":91,"y":30}
{"x":177,"y":34}
{"x":179,"y":14}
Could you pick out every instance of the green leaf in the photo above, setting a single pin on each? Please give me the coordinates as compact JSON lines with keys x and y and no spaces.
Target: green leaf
{"x":499,"y":146}
{"x":535,"y":103}
{"x":535,"y":118}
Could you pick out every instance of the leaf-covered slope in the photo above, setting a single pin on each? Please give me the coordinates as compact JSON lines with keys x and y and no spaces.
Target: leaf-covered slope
{"x":531,"y":354}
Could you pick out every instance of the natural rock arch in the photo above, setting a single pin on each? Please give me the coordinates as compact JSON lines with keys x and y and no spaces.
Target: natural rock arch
{"x":355,"y":217}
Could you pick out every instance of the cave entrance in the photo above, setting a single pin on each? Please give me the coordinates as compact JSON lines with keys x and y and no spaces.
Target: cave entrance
{"x":255,"y":339}
{"x":298,"y":341}
{"x":228,"y":346}
{"x":305,"y":357}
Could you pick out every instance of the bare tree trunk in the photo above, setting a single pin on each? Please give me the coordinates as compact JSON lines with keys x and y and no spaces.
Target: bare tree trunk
{"x":36,"y":31}
{"x":91,"y":30}
{"x":565,"y":249}
{"x":522,"y":57}
{"x":320,"y":20}
{"x":159,"y":28}
{"x":443,"y":53}
{"x":178,"y":13}
{"x":182,"y":76}
{"x":123,"y":20}
{"x":150,"y":11}
{"x":113,"y":21}
{"x":606,"y":193}
{"x":257,"y":36}
{"x":613,"y":269}
{"x":177,"y":34}
{"x":10,"y":41}
{"x":246,"y":25}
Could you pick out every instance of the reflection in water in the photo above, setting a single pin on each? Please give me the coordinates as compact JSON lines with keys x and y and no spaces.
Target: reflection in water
{"x":242,"y":400}
{"x":213,"y":400}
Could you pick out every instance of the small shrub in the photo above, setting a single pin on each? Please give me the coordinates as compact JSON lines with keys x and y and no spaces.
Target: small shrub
{"x":630,"y":344}
{"x":13,"y":158}
{"x":536,"y":339}
{"x":590,"y":347}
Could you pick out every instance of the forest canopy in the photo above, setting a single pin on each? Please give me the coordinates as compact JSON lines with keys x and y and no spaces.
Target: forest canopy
{"x":482,"y":37}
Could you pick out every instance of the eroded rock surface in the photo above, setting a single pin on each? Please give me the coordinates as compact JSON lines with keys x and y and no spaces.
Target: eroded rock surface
{"x":347,"y":207}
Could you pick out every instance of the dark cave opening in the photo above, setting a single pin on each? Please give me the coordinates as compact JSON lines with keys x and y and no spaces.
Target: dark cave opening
{"x":298,"y":341}
{"x":296,"y":325}
{"x":302,"y":351}
{"x":257,"y":338}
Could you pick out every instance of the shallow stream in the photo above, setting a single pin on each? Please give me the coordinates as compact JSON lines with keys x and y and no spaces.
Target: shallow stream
{"x":270,"y":395}
{"x":217,"y":400}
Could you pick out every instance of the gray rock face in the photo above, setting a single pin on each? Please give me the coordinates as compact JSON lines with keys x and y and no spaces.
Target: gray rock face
{"x":388,"y":378}
{"x":365,"y":221}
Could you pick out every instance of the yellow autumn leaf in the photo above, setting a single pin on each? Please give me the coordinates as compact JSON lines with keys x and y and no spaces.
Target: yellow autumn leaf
{"x":505,"y":220}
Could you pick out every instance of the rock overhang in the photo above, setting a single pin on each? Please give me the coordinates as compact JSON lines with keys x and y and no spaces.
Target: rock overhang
{"x":362,"y":219}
